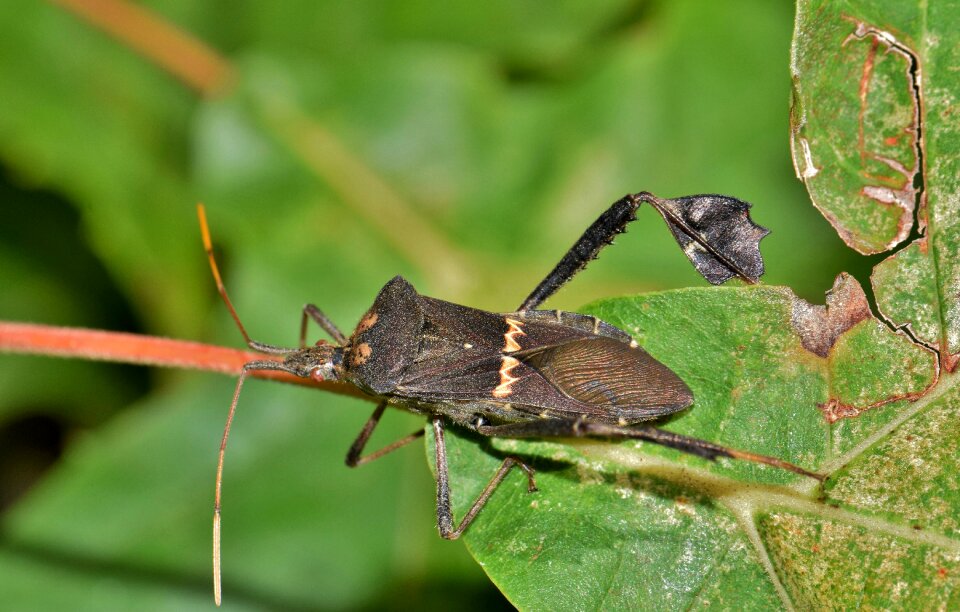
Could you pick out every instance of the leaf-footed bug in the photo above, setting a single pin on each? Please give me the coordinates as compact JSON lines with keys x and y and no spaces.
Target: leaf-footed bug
{"x":523,"y":374}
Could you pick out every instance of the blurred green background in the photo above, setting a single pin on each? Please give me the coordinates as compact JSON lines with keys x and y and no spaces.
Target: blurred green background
{"x":464,"y":145}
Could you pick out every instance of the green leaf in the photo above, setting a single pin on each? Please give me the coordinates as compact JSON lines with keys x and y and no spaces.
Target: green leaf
{"x":634,"y":525}
{"x":875,"y":141}
{"x":855,"y":120}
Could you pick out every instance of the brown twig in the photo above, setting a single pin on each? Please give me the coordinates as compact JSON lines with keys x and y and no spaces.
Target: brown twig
{"x":179,"y":53}
{"x":119,"y":347}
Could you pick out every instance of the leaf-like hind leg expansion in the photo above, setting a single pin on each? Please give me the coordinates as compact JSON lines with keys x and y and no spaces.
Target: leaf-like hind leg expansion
{"x":601,"y":233}
{"x":444,"y":509}
{"x":312,"y":312}
{"x":353,"y":455}
{"x":559,"y":428}
{"x":714,"y":231}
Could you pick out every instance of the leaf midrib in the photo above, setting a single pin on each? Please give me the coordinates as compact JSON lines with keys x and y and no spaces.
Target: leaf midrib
{"x":745,"y":502}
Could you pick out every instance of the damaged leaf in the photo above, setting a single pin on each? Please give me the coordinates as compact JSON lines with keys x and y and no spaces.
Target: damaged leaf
{"x":820,"y":326}
{"x":716,"y":233}
{"x":874,"y":133}
{"x":907,"y":290}
{"x":855,"y":123}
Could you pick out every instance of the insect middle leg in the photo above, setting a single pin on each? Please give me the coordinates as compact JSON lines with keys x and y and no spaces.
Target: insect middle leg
{"x":444,"y":508}
{"x":356,"y":449}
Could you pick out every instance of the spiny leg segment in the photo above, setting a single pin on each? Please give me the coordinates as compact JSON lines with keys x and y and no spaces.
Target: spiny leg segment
{"x":614,"y":221}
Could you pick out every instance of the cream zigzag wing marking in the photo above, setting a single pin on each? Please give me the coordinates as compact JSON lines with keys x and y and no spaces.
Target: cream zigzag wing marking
{"x":508,"y":363}
{"x":510,"y":342}
{"x":506,"y":378}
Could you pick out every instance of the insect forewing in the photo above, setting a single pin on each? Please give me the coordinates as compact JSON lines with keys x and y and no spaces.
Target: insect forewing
{"x":605,"y":373}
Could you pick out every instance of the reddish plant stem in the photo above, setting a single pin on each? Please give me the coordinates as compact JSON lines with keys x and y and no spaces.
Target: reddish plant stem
{"x":180,"y":54}
{"x":119,"y":347}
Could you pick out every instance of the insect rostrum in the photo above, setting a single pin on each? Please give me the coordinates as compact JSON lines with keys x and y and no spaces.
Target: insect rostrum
{"x":523,"y":374}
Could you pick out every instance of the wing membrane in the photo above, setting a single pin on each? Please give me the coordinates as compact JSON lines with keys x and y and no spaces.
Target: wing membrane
{"x":601,"y":371}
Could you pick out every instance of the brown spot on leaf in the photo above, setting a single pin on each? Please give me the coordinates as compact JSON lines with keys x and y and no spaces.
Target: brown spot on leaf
{"x":360,"y":354}
{"x":949,"y":361}
{"x":820,"y":326}
{"x":834,"y":410}
{"x":864,"y":90}
{"x":537,"y":552}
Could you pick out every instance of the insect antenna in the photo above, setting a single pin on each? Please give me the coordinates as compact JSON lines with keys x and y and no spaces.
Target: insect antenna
{"x":222,"y":289}
{"x":248,"y":367}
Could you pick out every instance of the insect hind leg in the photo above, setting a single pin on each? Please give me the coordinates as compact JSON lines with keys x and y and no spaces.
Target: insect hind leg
{"x":613,"y":221}
{"x":577,"y":428}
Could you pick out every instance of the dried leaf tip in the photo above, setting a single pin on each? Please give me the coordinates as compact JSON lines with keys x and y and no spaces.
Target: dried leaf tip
{"x":716,"y":233}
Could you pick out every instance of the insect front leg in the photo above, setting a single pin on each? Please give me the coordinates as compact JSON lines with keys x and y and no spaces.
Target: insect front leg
{"x":444,"y":509}
{"x":601,"y":233}
{"x":312,"y":312}
{"x":353,"y":455}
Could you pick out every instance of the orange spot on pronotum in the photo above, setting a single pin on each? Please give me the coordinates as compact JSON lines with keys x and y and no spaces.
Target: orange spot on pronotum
{"x":360,"y":354}
{"x":367,"y":322}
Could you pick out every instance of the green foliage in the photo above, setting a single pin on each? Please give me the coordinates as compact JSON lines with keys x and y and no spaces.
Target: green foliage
{"x":628,"y":526}
{"x":465,"y":148}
